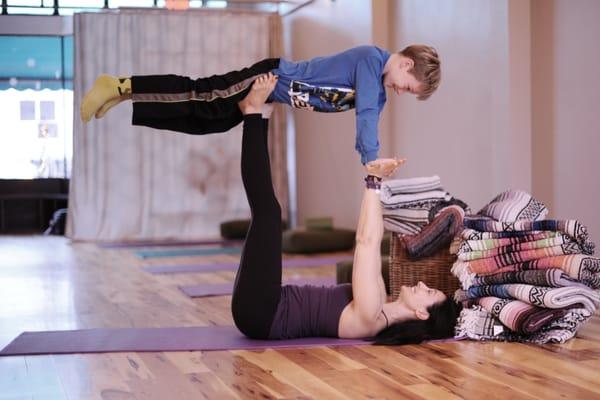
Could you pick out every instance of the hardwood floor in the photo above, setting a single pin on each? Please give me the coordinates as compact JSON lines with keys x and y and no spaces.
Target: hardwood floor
{"x":48,"y":283}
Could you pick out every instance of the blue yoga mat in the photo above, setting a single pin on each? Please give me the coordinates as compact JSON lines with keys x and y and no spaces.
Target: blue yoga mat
{"x":188,"y":252}
{"x":233,"y":266}
{"x":168,"y":243}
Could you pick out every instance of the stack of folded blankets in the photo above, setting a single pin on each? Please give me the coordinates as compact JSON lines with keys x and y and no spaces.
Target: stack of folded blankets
{"x":524,"y":278}
{"x":410,"y":204}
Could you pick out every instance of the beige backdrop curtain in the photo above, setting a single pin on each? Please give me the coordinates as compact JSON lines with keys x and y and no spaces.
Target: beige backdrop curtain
{"x":139,"y":183}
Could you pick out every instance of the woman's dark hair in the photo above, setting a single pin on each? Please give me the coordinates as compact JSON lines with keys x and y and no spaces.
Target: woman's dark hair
{"x":439,"y":325}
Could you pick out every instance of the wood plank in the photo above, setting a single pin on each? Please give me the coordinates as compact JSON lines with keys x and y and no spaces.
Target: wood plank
{"x":289,"y":372}
{"x":247,"y":379}
{"x":55,"y":284}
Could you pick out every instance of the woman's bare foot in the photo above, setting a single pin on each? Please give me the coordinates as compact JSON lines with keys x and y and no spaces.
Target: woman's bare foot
{"x":258,"y":95}
{"x":384,"y":167}
{"x":106,"y":90}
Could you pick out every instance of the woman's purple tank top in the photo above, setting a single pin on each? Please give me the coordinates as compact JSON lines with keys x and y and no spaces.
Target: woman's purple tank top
{"x":309,"y":311}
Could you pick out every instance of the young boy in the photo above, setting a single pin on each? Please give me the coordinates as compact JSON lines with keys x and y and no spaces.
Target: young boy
{"x":356,"y":78}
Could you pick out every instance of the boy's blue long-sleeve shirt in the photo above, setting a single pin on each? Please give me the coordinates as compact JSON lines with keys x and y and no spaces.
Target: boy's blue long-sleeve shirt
{"x":350,"y":79}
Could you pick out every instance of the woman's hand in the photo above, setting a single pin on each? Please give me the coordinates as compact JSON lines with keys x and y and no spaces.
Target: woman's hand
{"x":383,"y":167}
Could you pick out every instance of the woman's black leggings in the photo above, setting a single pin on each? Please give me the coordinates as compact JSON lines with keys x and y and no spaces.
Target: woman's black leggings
{"x":257,"y":288}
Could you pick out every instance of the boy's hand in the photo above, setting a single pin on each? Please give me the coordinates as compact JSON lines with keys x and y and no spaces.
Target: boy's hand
{"x":383,"y":167}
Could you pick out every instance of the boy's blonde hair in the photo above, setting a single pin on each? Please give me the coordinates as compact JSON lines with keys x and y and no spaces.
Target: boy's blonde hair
{"x":427,"y":68}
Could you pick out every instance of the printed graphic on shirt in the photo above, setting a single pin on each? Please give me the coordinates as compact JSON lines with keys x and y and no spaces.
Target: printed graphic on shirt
{"x":319,"y":98}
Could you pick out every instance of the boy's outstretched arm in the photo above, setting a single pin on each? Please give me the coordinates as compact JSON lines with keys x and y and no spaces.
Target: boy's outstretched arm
{"x":368,"y":88}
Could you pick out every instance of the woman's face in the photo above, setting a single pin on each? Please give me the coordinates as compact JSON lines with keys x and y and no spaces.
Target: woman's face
{"x":419,"y":297}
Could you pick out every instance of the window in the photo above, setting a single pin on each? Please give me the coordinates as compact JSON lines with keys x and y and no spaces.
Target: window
{"x":68,"y":7}
{"x":27,"y":110}
{"x":46,"y":110}
{"x":36,"y":106}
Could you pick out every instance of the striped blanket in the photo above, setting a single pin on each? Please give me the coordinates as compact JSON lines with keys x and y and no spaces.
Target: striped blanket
{"x":410,"y":220}
{"x":569,"y":227}
{"x":563,"y":241}
{"x":472,"y":234}
{"x":546,"y":297}
{"x":552,"y":277}
{"x":436,"y":235}
{"x":477,"y":323}
{"x":408,"y":217}
{"x":420,"y":215}
{"x":465,"y":245}
{"x":585,"y":269}
{"x":519,"y":316}
{"x":535,"y":276}
{"x":491,"y":264}
{"x":514,"y":205}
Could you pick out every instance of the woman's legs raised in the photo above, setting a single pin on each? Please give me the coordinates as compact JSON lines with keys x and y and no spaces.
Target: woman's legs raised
{"x":257,"y":287}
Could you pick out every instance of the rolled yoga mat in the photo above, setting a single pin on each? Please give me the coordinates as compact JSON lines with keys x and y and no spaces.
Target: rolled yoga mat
{"x":169,"y":243}
{"x":222,"y":289}
{"x":109,"y":340}
{"x":188,"y":252}
{"x":293,"y":263}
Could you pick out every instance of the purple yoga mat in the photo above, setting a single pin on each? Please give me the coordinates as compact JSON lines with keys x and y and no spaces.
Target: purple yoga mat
{"x":109,"y":340}
{"x":168,"y":243}
{"x":293,"y":263}
{"x":221,"y":289}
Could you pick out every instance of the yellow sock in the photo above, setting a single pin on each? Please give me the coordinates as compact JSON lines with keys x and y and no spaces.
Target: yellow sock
{"x":124,"y":87}
{"x":107,"y":106}
{"x":106,"y":89}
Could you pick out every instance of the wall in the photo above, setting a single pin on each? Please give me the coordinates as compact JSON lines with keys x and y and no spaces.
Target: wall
{"x":328,"y":169}
{"x":476,"y":132}
{"x":566,"y":105}
{"x":471,"y":132}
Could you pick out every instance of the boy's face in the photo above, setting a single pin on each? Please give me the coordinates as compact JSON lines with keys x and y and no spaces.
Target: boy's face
{"x":400,"y":80}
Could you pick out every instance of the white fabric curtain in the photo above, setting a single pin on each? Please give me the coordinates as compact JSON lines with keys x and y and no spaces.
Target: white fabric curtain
{"x":132,"y":183}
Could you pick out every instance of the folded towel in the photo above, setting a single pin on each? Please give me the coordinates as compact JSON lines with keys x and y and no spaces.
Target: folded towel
{"x":416,"y":200}
{"x":407,"y":214}
{"x":410,"y":185}
{"x":401,"y":226}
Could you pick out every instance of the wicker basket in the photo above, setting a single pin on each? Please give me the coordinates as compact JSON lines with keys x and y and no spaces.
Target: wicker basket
{"x":434,"y":271}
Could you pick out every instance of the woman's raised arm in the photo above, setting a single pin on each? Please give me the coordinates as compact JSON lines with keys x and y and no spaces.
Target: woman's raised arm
{"x":367,"y":283}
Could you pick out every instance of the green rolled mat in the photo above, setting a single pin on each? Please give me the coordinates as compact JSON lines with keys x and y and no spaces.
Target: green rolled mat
{"x":235,"y":229}
{"x":319,"y":224}
{"x":304,"y":242}
{"x":343,"y":272}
